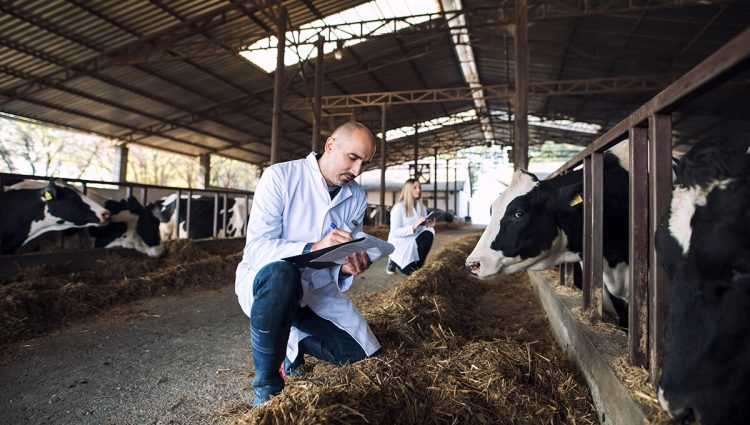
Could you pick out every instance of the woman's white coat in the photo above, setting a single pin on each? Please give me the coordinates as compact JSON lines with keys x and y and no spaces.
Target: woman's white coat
{"x":402,"y":235}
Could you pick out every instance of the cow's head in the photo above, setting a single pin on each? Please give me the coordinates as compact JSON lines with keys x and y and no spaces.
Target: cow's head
{"x":704,"y":245}
{"x":523,"y":232}
{"x":65,"y":205}
{"x":134,"y":227}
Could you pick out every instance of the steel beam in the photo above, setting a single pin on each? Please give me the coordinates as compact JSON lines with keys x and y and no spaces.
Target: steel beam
{"x":498,"y":91}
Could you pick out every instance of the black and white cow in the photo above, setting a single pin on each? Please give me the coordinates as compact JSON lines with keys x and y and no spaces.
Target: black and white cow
{"x":132,"y":226}
{"x":704,"y":246}
{"x":29,"y":209}
{"x":202,"y":217}
{"x":536,"y":225}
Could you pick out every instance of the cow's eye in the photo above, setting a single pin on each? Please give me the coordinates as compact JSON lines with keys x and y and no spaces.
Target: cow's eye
{"x":518,"y":214}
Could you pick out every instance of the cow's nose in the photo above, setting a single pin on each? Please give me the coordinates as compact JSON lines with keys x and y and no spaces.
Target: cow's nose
{"x":106,"y":215}
{"x":683,"y":415}
{"x":472,"y":267}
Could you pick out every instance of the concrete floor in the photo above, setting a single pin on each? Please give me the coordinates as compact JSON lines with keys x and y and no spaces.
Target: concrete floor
{"x":177,"y":359}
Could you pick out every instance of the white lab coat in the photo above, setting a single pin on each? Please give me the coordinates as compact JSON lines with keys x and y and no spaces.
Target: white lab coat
{"x":402,"y":236}
{"x":292,"y":207}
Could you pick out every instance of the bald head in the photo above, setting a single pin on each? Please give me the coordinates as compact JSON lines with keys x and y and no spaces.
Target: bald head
{"x":349,"y":130}
{"x":346,"y":153}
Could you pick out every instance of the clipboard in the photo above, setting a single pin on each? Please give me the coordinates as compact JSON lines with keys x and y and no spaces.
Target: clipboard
{"x":308,"y":260}
{"x":433,"y":215}
{"x":336,"y":255}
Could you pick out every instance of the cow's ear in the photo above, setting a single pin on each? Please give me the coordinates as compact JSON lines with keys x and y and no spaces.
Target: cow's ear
{"x":134,"y":205}
{"x":570,"y":197}
{"x":50,"y":192}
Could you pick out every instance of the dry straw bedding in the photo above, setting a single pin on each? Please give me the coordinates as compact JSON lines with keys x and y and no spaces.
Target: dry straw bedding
{"x":43,"y":298}
{"x":454,"y":350}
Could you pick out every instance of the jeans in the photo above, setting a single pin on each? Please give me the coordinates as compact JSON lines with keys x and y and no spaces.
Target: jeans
{"x":277,"y":290}
{"x":424,"y":243}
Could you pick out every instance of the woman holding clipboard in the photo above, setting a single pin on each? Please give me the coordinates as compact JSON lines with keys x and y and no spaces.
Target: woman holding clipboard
{"x":411,"y":230}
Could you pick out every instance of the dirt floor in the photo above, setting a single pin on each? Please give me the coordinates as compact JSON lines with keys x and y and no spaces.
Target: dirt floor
{"x":165,"y":358}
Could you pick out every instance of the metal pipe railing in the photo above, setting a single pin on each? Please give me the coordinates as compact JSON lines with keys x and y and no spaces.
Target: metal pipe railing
{"x":246,"y":195}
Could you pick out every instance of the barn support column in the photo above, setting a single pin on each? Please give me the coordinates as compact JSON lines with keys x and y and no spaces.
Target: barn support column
{"x":383,"y":153}
{"x":319,"y":63}
{"x":521,"y":124}
{"x":447,"y":179}
{"x":205,"y":165}
{"x":434,"y":182}
{"x":121,"y":163}
{"x":455,"y":187}
{"x":416,"y":152}
{"x":278,"y":88}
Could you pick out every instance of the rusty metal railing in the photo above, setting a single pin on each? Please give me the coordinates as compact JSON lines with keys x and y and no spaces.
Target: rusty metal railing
{"x":649,"y":130}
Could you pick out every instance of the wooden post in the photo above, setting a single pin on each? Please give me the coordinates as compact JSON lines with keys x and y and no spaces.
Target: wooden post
{"x":205,"y":166}
{"x":121,"y":164}
{"x":660,"y":194}
{"x":455,"y":188}
{"x":521,"y":125}
{"x":383,"y":153}
{"x":278,"y":88}
{"x":638,"y":248}
{"x":592,"y":242}
{"x":447,"y":178}
{"x":319,"y":63}
{"x":434,"y":183}
{"x":416,"y":152}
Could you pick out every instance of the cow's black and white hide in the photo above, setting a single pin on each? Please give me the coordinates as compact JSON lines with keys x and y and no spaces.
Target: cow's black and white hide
{"x":132,"y":226}
{"x":704,"y":246}
{"x":29,"y":209}
{"x":202,"y":217}
{"x":536,"y":225}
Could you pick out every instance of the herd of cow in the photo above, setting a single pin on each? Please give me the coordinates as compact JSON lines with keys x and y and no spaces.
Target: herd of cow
{"x":40,"y":216}
{"x":703,"y":243}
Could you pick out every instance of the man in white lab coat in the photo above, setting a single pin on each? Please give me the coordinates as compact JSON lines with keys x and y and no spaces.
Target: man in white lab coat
{"x":302,"y":206}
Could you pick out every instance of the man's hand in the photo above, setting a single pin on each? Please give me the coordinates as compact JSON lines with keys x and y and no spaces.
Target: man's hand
{"x":335,"y":237}
{"x":356,"y":263}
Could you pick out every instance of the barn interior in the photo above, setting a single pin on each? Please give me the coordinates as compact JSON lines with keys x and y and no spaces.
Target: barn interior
{"x":201,"y":79}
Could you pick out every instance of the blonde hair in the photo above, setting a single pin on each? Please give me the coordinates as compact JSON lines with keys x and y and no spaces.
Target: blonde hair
{"x":406,"y":198}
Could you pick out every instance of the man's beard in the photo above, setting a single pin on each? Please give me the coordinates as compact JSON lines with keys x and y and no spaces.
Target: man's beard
{"x":345,"y":178}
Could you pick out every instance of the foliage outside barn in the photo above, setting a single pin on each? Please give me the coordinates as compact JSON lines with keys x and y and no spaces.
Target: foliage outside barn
{"x":27,"y":147}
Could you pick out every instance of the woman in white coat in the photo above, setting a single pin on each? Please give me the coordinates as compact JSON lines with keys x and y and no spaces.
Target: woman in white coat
{"x":410,"y":233}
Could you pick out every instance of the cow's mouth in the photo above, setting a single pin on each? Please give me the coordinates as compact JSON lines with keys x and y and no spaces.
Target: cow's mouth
{"x":473,"y":267}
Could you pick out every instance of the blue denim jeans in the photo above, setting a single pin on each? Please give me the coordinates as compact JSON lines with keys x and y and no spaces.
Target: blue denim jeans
{"x":277,"y":289}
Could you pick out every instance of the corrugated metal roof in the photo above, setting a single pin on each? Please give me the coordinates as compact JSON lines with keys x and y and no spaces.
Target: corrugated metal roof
{"x":165,"y":74}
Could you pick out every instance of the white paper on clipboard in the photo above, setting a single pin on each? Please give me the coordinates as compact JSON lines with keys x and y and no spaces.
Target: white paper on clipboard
{"x":374,"y":247}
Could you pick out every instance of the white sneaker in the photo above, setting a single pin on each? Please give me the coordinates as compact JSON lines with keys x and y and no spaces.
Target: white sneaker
{"x":391,"y":267}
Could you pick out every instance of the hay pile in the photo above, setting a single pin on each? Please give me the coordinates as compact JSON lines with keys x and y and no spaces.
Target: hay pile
{"x":454,"y":350}
{"x":380,"y":232}
{"x":42,"y":298}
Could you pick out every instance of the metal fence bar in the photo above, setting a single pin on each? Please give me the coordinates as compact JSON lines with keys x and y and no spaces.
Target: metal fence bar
{"x":224,"y":216}
{"x":216,"y":215}
{"x":187,"y":214}
{"x":587,"y":221}
{"x":177,"y":214}
{"x":638,"y":248}
{"x":247,"y":216}
{"x":593,"y":207}
{"x":660,"y":190}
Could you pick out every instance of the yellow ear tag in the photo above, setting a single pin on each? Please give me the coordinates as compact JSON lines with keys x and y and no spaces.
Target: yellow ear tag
{"x":47,"y":195}
{"x":576,"y":200}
